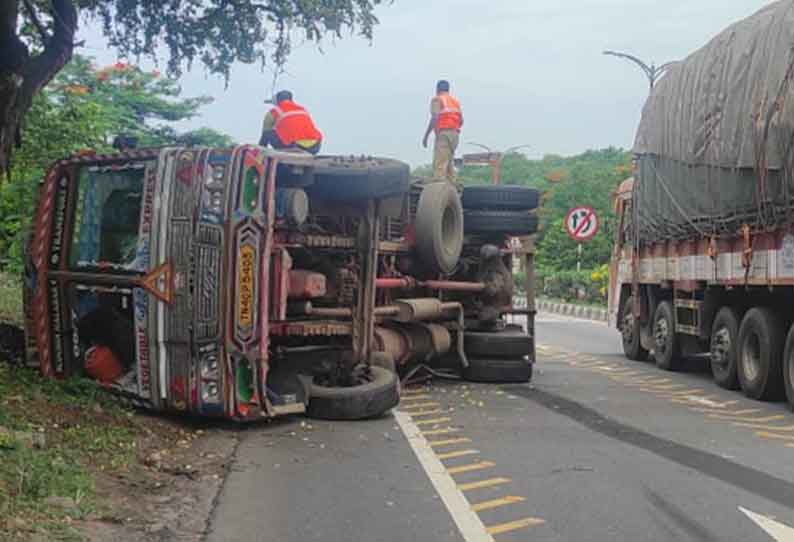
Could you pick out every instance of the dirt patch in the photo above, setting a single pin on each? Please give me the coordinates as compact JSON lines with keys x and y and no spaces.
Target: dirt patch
{"x":75,"y":465}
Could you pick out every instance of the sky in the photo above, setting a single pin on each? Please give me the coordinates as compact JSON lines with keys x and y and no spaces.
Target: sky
{"x":527,"y":72}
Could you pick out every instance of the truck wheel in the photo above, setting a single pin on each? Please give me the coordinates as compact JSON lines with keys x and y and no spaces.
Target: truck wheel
{"x":759,"y":355}
{"x":500,"y":222}
{"x":508,"y":343}
{"x":667,"y":349}
{"x":788,"y":367}
{"x":505,"y":197}
{"x":630,"y":331}
{"x":505,"y":371}
{"x":346,"y":179}
{"x":724,"y":338}
{"x":439,"y":227}
{"x":377,"y":392}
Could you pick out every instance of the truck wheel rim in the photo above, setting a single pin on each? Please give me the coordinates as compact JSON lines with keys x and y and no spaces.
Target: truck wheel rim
{"x":628,"y":327}
{"x":721,"y":347}
{"x":661,"y":334}
{"x":751,"y":357}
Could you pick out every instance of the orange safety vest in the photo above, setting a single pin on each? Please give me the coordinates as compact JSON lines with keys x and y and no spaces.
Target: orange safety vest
{"x":451,"y":116}
{"x":293,"y":123}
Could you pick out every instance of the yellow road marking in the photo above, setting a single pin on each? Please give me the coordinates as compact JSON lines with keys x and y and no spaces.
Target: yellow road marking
{"x":766,"y":434}
{"x":445,"y":431}
{"x":748,"y":420}
{"x":417,"y":397}
{"x":426,"y":413}
{"x":421,"y":405}
{"x":728,"y":412}
{"x":669,"y":387}
{"x":490,"y":482}
{"x":413,"y":392}
{"x":459,"y":453}
{"x":433,"y":421}
{"x":448,"y":442}
{"x":496,"y":503}
{"x":783,"y":428}
{"x":514,"y":525}
{"x":586,"y":365}
{"x":685,"y":393}
{"x":657,"y":381}
{"x":471,"y":467}
{"x":705,"y":401}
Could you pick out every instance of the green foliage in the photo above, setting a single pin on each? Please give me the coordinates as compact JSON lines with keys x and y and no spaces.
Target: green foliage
{"x":586,"y":179}
{"x":218,"y":33}
{"x":86,"y":107}
{"x":11,"y":310}
{"x":587,"y":286}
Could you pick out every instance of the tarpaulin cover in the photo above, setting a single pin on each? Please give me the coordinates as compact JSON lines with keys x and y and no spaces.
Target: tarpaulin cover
{"x":716,"y":137}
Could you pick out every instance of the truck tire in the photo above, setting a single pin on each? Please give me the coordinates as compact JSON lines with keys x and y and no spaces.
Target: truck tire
{"x":504,"y":371}
{"x":760,"y":355}
{"x":788,"y":367}
{"x":370,"y":399}
{"x":667,"y":349}
{"x":504,"y":197}
{"x":439,"y":227}
{"x":508,"y":343}
{"x":723,"y":343}
{"x":349,"y":179}
{"x":632,"y":347}
{"x":500,"y":222}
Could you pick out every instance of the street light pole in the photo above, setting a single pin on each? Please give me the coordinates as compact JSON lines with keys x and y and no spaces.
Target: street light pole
{"x":652,"y":71}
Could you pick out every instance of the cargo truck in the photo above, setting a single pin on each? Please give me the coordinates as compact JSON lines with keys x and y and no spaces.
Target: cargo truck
{"x":704,"y":255}
{"x":249,"y":283}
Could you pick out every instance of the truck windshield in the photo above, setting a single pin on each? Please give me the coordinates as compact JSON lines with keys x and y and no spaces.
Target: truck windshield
{"x":107,"y":217}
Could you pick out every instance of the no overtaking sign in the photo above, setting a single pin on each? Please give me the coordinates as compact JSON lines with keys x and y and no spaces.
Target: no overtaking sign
{"x":581,"y":223}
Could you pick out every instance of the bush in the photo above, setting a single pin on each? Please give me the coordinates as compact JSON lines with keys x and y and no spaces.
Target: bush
{"x":588,"y":285}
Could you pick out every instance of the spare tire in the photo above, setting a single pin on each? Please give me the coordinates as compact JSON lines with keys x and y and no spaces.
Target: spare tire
{"x":500,"y":197}
{"x":500,"y":222}
{"x":439,"y":227}
{"x":345,"y":179}
{"x":509,"y":343}
{"x":370,"y":399}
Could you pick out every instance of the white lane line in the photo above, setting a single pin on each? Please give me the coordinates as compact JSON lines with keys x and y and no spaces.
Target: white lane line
{"x":468,"y":522}
{"x":779,"y":531}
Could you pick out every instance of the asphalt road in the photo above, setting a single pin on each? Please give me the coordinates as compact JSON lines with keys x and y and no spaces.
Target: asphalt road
{"x":597,"y":448}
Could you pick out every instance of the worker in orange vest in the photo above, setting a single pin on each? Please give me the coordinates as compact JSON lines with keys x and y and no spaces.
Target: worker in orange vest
{"x":289,"y":126}
{"x":446,"y":120}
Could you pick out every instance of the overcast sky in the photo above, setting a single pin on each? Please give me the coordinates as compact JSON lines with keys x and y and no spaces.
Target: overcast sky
{"x":526,"y":72}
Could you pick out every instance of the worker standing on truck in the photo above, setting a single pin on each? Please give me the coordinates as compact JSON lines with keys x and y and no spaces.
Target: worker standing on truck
{"x":446,"y":120}
{"x":290,"y":126}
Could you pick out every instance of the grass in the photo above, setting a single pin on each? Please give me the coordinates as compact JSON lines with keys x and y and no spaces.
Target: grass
{"x":82,"y":429}
{"x":11,"y":310}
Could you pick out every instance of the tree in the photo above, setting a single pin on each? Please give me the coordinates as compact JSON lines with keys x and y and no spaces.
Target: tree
{"x":37,"y":38}
{"x":86,"y":107}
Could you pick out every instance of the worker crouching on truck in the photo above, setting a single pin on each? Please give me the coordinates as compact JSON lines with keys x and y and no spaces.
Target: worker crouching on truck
{"x":289,"y":126}
{"x":446,"y":120}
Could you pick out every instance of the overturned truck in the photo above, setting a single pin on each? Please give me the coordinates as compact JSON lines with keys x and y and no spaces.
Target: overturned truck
{"x":248,"y":283}
{"x":704,"y":259}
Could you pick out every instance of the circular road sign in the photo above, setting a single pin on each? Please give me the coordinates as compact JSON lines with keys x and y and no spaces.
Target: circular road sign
{"x":581,"y":223}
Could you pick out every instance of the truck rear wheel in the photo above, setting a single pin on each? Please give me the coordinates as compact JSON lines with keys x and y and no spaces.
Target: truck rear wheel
{"x":346,"y":179}
{"x":667,"y":349}
{"x":788,"y":367}
{"x":376,"y":392}
{"x":760,"y":353}
{"x":439,"y":227}
{"x":724,"y":339}
{"x":630,"y":331}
